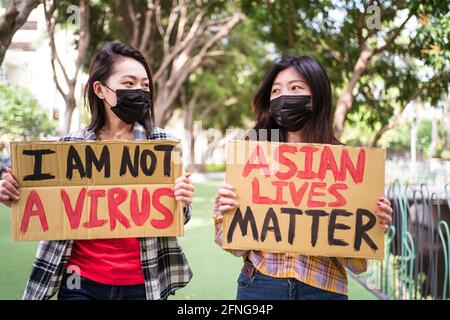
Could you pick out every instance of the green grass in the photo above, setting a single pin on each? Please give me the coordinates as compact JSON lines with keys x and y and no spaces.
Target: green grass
{"x":215,"y":271}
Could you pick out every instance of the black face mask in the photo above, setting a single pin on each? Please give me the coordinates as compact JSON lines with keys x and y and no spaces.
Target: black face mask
{"x":131,"y":105}
{"x":291,"y":112}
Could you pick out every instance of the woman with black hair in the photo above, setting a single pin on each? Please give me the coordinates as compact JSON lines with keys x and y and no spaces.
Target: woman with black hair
{"x":120,"y":95}
{"x":294,"y":101}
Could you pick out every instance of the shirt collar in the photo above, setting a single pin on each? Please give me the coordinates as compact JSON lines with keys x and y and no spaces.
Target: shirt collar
{"x":139,"y":133}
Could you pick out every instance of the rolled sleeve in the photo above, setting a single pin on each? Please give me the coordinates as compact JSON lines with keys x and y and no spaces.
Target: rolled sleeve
{"x":218,"y":228}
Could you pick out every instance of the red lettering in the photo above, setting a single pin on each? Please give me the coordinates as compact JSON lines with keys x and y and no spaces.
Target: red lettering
{"x":346,"y":164}
{"x":29,"y":211}
{"x":256,"y":198}
{"x":117,"y":196}
{"x":312,"y":193}
{"x":297,"y":195}
{"x":279,"y":156}
{"x":308,"y":173}
{"x":93,"y":219}
{"x":250,"y":165}
{"x":139,"y":217}
{"x":327,"y":162}
{"x":340,"y":200}
{"x":74,"y":215}
{"x":168,"y":215}
{"x":279,"y":191}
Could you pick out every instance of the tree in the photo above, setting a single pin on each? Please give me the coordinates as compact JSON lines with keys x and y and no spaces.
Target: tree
{"x":219,"y":93}
{"x":21,"y":116}
{"x":423,"y":92}
{"x":176,"y":37}
{"x":15,"y":16}
{"x":53,"y":16}
{"x":368,"y":49}
{"x":427,"y":49}
{"x":355,"y":47}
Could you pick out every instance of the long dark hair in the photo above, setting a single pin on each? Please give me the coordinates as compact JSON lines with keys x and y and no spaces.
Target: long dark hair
{"x":319,"y":128}
{"x":100,"y":70}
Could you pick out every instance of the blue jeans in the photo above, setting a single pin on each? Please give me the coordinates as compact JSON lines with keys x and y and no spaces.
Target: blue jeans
{"x":262,"y":287}
{"x":91,"y":290}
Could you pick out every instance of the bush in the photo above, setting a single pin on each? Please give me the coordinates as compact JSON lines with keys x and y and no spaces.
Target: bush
{"x":21,"y":116}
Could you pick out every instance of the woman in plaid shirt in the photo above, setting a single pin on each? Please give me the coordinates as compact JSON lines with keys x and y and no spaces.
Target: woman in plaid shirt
{"x":295,"y":98}
{"x":120,"y":92}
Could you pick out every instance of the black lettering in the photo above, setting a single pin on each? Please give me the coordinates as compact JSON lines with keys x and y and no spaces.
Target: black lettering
{"x":74,"y":162}
{"x":315,"y":214}
{"x":243,"y":224}
{"x":103,"y":162}
{"x":167,"y":156}
{"x":148,"y":171}
{"x":37,"y":169}
{"x":271,"y":217}
{"x":126,"y":162}
{"x":361,"y":229}
{"x":292,"y":212}
{"x":332,"y":226}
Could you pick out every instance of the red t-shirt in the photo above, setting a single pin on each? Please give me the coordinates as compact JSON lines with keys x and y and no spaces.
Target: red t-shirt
{"x":109,"y":261}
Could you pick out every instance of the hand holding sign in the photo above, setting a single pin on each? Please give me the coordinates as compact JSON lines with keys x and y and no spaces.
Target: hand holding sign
{"x":227,"y":198}
{"x":183,"y":189}
{"x":97,"y":189}
{"x":9,"y":188}
{"x":385,"y":212}
{"x":309,"y":199}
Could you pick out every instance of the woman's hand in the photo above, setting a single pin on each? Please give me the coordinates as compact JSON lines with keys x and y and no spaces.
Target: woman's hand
{"x":226,"y":198}
{"x":384,"y":212}
{"x":9,"y":188}
{"x":183,"y":189}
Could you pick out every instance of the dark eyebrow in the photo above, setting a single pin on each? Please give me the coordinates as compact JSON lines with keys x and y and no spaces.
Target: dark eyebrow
{"x":130,"y":76}
{"x":292,"y":81}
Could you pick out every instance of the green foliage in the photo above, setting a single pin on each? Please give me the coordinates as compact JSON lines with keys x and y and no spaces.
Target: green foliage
{"x":445,"y":154}
{"x":398,"y":138}
{"x":328,"y":30}
{"x":325,"y":29}
{"x":224,"y":83}
{"x":214,"y":167}
{"x":228,"y":82}
{"x":21,"y":117}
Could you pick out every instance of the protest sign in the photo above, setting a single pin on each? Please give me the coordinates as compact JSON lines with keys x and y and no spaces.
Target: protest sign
{"x":96,"y":189}
{"x":310,"y":199}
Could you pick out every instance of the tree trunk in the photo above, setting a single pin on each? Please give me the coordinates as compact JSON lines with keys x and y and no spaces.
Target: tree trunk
{"x":187,"y":42}
{"x":189,"y":109}
{"x":434,"y":137}
{"x":162,"y":104}
{"x":15,"y":16}
{"x":83,"y":42}
{"x":70,"y":107}
{"x":189,"y":129}
{"x":345,"y":101}
{"x":447,"y":122}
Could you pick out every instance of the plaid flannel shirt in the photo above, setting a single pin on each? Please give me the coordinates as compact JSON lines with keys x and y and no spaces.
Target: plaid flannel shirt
{"x":164,"y":264}
{"x":327,"y":273}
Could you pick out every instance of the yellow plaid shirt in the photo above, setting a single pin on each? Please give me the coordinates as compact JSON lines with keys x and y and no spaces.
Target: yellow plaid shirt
{"x":327,"y":273}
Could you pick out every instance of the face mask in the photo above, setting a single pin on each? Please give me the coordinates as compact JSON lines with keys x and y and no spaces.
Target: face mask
{"x":131,"y":104}
{"x":291,"y":112}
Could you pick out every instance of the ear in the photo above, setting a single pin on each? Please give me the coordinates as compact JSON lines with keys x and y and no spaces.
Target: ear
{"x":98,"y":89}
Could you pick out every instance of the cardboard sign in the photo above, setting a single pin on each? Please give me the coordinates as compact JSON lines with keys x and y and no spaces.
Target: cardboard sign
{"x":96,"y":189}
{"x":310,"y":199}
